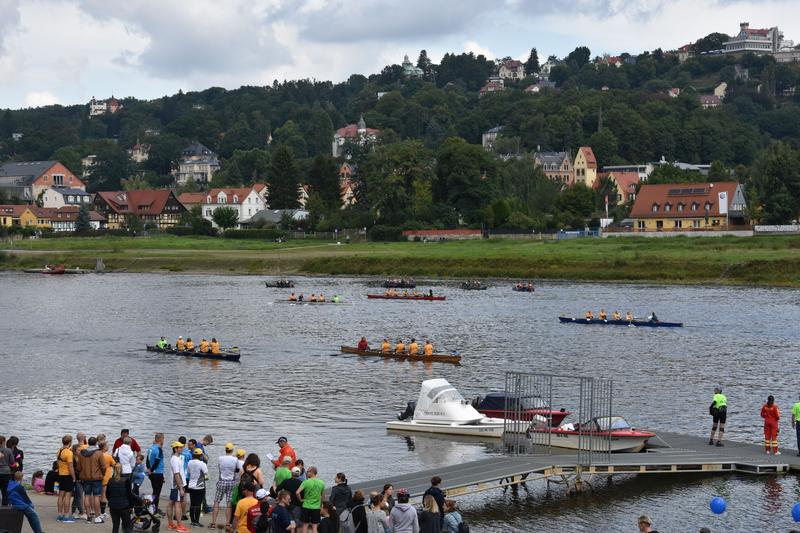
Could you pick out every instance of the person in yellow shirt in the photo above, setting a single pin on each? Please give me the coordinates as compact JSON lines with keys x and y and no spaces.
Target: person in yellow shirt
{"x":603,"y":314}
{"x":180,"y":344}
{"x":109,"y":462}
{"x":629,"y":316}
{"x":386,"y":347}
{"x":214,"y":345}
{"x":616,"y":315}
{"x":400,"y":347}
{"x":203,"y":346}
{"x":244,"y":505}
{"x":428,"y":348}
{"x":189,"y":344}
{"x":66,"y":476}
{"x":589,"y":315}
{"x":413,"y":348}
{"x":405,"y":294}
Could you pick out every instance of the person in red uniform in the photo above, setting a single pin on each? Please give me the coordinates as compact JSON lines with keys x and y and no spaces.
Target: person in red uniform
{"x":771,"y":416}
{"x":363,"y":345}
{"x":122,"y":434}
{"x":286,"y":451}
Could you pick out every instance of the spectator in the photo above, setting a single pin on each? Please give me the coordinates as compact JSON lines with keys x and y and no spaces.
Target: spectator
{"x":37,"y":481}
{"x":154,"y":465}
{"x":126,"y":456}
{"x":50,"y":479}
{"x":329,"y":519}
{"x":438,"y":495}
{"x":341,"y":494}
{"x":310,"y":496}
{"x":429,"y":517}
{"x":16,"y":453}
{"x":377,"y":521}
{"x":91,"y":466}
{"x":65,"y":467}
{"x":645,"y":524}
{"x":133,"y":444}
{"x":452,"y":518}
{"x":403,"y":518}
{"x":20,"y":501}
{"x":118,"y":492}
{"x":6,"y":462}
{"x":282,"y":520}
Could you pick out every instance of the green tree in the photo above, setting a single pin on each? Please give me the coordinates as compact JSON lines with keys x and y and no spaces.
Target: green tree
{"x":579,"y":57}
{"x":777,"y":183}
{"x":718,"y":172}
{"x":578,"y":200}
{"x":323,"y":177}
{"x":532,"y":64}
{"x":462,"y":181}
{"x":711,"y":42}
{"x":225,"y":217}
{"x":284,"y":182}
{"x":425,"y":64}
{"x":135,"y":183}
{"x":244,"y":168}
{"x":70,"y":157}
{"x":110,"y":167}
{"x":193,"y":219}
{"x":83,"y":221}
{"x":290,"y":135}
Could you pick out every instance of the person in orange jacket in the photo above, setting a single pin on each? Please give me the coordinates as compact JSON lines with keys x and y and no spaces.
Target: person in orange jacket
{"x":771,"y":416}
{"x":286,"y":451}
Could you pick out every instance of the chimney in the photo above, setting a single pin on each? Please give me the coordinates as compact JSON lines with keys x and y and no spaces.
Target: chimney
{"x":743,"y":26}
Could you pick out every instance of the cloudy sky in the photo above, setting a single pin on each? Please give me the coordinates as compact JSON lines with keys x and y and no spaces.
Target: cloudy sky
{"x":66,"y":51}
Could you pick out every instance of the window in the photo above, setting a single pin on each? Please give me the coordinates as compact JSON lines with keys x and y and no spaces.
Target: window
{"x":678,"y":224}
{"x":208,"y":199}
{"x":667,"y":207}
{"x":640,"y":224}
{"x":70,"y":198}
{"x":655,"y":208}
{"x":695,"y":223}
{"x":659,"y":224}
{"x":695,"y":206}
{"x":708,"y":206}
{"x":681,"y":207}
{"x":235,"y":199}
{"x":58,"y":179}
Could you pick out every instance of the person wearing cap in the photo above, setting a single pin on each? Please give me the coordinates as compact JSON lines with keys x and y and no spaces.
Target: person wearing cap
{"x":284,"y":471}
{"x":198,"y":471}
{"x":291,"y":485}
{"x":228,"y":467}
{"x":177,"y":488}
{"x":180,"y":344}
{"x":645,"y":524}
{"x":285,"y":450}
{"x":255,"y":512}
{"x":240,"y":515}
{"x":310,"y":496}
{"x":403,"y":518}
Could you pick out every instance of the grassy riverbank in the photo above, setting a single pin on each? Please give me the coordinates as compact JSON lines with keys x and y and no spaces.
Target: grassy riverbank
{"x":771,"y":261}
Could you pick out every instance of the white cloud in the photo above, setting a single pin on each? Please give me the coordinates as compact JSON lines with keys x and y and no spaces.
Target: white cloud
{"x":475,"y":48}
{"x":40,"y":99}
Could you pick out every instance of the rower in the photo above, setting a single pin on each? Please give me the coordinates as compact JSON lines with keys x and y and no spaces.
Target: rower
{"x":615,"y":315}
{"x":162,"y":343}
{"x":300,"y":298}
{"x":321,"y":297}
{"x":428,"y":348}
{"x":214,"y":345}
{"x":313,"y":298}
{"x":652,"y":317}
{"x":180,"y":344}
{"x":363,"y":345}
{"x":336,"y":298}
{"x":203,"y":346}
{"x":589,"y":315}
{"x":405,"y":293}
{"x":530,"y":286}
{"x":386,"y":347}
{"x":629,"y":316}
{"x":413,"y":348}
{"x":400,"y":347}
{"x":292,"y":298}
{"x":603,"y":314}
{"x":189,"y":344}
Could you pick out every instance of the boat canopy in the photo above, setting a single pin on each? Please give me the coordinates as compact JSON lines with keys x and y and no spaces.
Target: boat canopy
{"x":605,"y":423}
{"x":441,"y":402}
{"x":502,"y":401}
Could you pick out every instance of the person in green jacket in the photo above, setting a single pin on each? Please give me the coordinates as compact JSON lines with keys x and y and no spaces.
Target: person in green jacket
{"x":162,"y":343}
{"x":719,"y":413}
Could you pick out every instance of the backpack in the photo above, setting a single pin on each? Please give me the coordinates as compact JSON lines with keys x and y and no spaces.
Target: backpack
{"x":264,"y":524}
{"x":253,"y":516}
{"x":346,"y":523}
{"x":463,"y":527}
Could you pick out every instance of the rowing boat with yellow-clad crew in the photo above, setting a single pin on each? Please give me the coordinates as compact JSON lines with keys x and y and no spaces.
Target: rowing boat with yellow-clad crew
{"x":433,"y":358}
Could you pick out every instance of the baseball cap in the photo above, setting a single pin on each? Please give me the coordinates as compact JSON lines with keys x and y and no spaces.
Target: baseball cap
{"x":176,"y":444}
{"x":198,"y":451}
{"x":229,"y":447}
{"x":261,"y":494}
{"x":402,"y":491}
{"x":240,"y":452}
{"x":281,"y":439}
{"x":296,"y":470}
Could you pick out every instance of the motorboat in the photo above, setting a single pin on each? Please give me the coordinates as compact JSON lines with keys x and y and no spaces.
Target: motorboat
{"x":440,"y":408}
{"x":532,"y":407}
{"x":596,"y":434}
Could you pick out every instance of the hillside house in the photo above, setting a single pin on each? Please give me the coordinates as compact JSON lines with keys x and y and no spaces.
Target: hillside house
{"x":355,"y":133}
{"x":26,"y":180}
{"x":756,"y":40}
{"x":488,"y":137}
{"x":512,"y":69}
{"x":625,"y":184}
{"x":585,"y":167}
{"x":198,"y":163}
{"x":101,"y":107}
{"x":689,"y":206}
{"x":410,"y":70}
{"x":246,"y":201}
{"x":154,"y":207}
{"x":556,"y":165}
{"x":709,"y":101}
{"x":56,"y":197}
{"x":492,"y":87}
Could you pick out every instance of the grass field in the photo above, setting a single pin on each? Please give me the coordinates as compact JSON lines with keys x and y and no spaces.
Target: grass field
{"x":772,"y":261}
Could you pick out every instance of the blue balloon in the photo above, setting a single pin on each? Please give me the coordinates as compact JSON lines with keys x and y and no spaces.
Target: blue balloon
{"x":718,"y":505}
{"x":796,"y":512}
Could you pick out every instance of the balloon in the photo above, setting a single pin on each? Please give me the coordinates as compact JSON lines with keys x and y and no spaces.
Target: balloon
{"x":718,"y":505}
{"x":796,"y":512}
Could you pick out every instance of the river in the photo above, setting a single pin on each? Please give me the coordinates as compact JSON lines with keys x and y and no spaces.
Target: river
{"x":72,"y":360}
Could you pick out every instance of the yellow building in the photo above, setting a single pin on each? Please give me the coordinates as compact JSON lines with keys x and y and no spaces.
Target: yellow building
{"x":585,"y":166}
{"x":689,"y":206}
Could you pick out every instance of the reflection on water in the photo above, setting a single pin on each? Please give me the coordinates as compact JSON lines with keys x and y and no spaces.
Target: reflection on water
{"x":73,"y":359}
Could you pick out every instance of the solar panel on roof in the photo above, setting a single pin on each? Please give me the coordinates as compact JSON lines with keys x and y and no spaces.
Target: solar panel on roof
{"x":673,"y":192}
{"x":699,"y":191}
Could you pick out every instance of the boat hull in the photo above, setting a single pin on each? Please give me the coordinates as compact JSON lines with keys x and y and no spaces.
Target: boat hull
{"x":636,"y":323}
{"x":307,"y":302}
{"x":528,"y":415}
{"x":620,"y":443}
{"x":278,"y":285}
{"x":222,"y":356}
{"x":481,"y":288}
{"x":411,"y":298}
{"x":436,"y":358}
{"x":493,"y":428}
{"x":522,"y":289}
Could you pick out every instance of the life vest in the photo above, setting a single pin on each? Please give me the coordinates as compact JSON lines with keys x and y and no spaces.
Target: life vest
{"x":189,"y":345}
{"x":386,"y":347}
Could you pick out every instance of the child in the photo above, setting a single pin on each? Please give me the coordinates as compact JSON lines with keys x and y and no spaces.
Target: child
{"x":137,"y":474}
{"x":38,"y":481}
{"x":50,"y":480}
{"x":21,"y":502}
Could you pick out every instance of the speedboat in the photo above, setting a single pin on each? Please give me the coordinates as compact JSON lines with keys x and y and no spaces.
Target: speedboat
{"x":440,"y":408}
{"x":533,"y":407}
{"x":595,"y":434}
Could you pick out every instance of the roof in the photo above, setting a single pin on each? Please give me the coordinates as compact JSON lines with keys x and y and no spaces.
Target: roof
{"x":555,"y":158}
{"x":198,"y":150}
{"x":189,"y":198}
{"x":70,"y":190}
{"x":587,"y":152}
{"x":14,"y":210}
{"x":146,"y":202}
{"x":626,"y":180}
{"x":29,"y":170}
{"x":512,"y":63}
{"x":659,"y":195}
{"x":351,"y":130}
{"x":275,"y":215}
{"x":241,"y":193}
{"x":496,"y":129}
{"x":710,"y":99}
{"x":493,"y":86}
{"x":70,"y":212}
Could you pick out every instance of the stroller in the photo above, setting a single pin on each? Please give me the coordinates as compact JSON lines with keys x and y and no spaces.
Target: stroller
{"x":144,"y":517}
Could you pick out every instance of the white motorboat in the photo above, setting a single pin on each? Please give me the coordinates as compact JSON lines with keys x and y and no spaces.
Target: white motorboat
{"x":440,"y":408}
{"x":605,"y":432}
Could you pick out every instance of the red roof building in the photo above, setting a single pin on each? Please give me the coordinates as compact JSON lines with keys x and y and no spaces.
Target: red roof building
{"x":625,"y":184}
{"x":682,"y":206}
{"x":156,"y":207}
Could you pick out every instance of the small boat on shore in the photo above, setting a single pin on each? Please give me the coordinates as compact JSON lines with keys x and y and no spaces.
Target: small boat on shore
{"x":280,"y":284}
{"x":227,"y":355}
{"x":502,"y":405}
{"x":440,"y":408}
{"x":632,"y":323}
{"x":419,"y":297}
{"x":48,"y":269}
{"x":399,"y":284}
{"x":435,"y":358}
{"x":623,"y":438}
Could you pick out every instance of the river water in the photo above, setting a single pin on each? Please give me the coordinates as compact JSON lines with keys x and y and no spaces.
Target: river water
{"x":72,"y":359}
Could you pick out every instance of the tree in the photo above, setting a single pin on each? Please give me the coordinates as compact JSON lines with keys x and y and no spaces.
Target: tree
{"x":425,"y":64}
{"x":110,"y":167}
{"x":578,"y":200}
{"x":532,"y":64}
{"x":580,"y":57}
{"x":70,"y":157}
{"x":225,"y":217}
{"x":194,"y":220}
{"x":83,"y":221}
{"x":711,"y":42}
{"x":323,"y":177}
{"x":461,"y":178}
{"x":135,"y":183}
{"x":290,"y":135}
{"x":777,"y":183}
{"x":284,"y":180}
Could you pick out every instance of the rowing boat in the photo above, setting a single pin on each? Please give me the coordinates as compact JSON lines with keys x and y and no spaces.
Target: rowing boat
{"x":523,"y":289}
{"x":232,"y":355}
{"x":421,"y":297}
{"x":470,"y":287}
{"x":308,"y":302}
{"x":279,"y":285}
{"x":399,"y":284}
{"x":436,"y":358}
{"x":637,"y":323}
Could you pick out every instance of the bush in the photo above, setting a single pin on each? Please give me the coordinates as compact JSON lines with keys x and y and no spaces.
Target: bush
{"x":385,"y":233}
{"x":265,"y":234}
{"x":183,"y":231}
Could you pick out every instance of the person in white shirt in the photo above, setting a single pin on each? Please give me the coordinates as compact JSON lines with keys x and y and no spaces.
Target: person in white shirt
{"x":125,"y":457}
{"x":198,"y":470}
{"x":228,"y":467}
{"x":177,"y":489}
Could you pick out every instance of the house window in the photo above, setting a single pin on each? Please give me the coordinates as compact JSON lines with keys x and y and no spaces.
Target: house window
{"x":695,"y":206}
{"x":58,"y":179}
{"x":235,"y":199}
{"x":655,"y":208}
{"x":667,"y":207}
{"x":208,"y":199}
{"x":640,"y":224}
{"x":708,"y":206}
{"x":659,"y":224}
{"x":681,"y":207}
{"x":695,"y":223}
{"x":678,"y":224}
{"x":71,"y":198}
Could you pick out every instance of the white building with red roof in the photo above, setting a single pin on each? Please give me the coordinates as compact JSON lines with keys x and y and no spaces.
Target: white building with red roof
{"x":512,"y":69}
{"x":101,"y":107}
{"x":246,"y":201}
{"x":757,"y":40}
{"x":354,"y":133}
